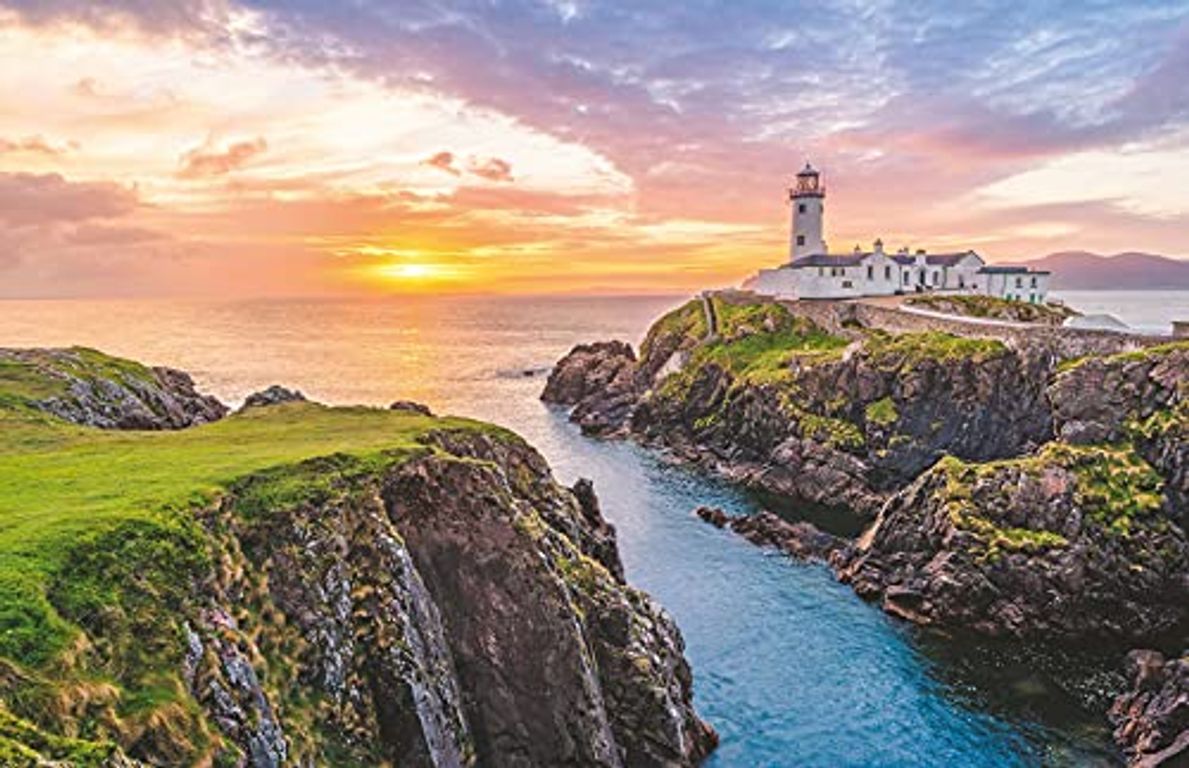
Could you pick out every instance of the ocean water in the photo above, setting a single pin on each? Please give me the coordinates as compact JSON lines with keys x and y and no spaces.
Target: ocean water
{"x":790,"y":667}
{"x":1145,"y":311}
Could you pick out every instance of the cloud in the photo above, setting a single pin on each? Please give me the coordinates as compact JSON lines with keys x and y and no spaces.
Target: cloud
{"x":443,"y":161}
{"x":492,"y":169}
{"x":489,"y":168}
{"x":34,"y":145}
{"x":207,"y":161}
{"x":33,"y":199}
{"x":152,"y":16}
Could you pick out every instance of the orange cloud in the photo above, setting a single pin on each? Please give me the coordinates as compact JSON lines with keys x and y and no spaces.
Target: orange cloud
{"x":35,"y":145}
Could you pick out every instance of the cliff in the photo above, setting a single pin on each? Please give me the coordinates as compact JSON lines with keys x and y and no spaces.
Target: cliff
{"x":1017,"y":482}
{"x":303,"y":585}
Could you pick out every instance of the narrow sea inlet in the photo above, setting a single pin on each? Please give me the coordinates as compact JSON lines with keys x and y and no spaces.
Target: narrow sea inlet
{"x":790,"y":666}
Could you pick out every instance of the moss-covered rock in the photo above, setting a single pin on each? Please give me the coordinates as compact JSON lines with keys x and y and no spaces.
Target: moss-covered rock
{"x":85,"y":386}
{"x":1071,"y":543}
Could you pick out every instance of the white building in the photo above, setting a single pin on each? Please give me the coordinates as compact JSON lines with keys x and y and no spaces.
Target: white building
{"x":814,"y":273}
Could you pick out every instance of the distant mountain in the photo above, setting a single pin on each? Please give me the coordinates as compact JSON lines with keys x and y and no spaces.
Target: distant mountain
{"x":1084,"y":271}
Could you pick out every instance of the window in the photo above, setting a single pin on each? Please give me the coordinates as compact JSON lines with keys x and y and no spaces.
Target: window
{"x":821,"y":271}
{"x":1019,"y":282}
{"x":907,"y":277}
{"x":847,"y":284}
{"x":936,"y":277}
{"x":800,"y":239}
{"x":870,"y":272}
{"x":887,"y":273}
{"x":961,"y":281}
{"x":800,"y":207}
{"x":1033,"y":281}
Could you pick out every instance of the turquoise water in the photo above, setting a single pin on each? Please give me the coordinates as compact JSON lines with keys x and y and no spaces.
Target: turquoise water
{"x":790,"y":667}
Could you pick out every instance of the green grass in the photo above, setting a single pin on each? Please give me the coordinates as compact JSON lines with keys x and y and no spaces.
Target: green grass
{"x":907,"y":349}
{"x":882,"y":412}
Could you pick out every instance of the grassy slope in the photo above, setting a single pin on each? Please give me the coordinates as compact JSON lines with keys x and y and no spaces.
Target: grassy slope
{"x":99,"y":522}
{"x":994,"y":308}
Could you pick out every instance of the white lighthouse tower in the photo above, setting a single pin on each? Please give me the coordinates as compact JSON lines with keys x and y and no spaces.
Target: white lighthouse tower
{"x":808,"y":197}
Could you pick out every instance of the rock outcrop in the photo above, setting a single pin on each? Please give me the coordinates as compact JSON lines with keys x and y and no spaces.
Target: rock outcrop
{"x":1070,"y":544}
{"x":273,"y":395}
{"x":601,"y":382}
{"x":778,"y":403}
{"x":410,"y":407}
{"x":86,"y":387}
{"x":800,"y":540}
{"x":1152,"y":718}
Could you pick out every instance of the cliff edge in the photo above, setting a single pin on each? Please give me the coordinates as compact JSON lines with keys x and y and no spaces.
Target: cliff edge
{"x":303,"y":585}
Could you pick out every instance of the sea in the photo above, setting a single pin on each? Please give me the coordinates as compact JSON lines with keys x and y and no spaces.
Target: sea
{"x":790,"y":666}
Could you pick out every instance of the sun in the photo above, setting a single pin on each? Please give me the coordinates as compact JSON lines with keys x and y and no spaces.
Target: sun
{"x":408,"y":271}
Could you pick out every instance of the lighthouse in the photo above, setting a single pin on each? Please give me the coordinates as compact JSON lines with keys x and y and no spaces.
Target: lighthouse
{"x":808,"y":197}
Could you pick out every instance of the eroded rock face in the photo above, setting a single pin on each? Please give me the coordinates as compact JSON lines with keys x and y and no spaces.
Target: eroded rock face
{"x":600,"y":380}
{"x":1142,"y":397}
{"x":1152,"y":718}
{"x":457,"y":609}
{"x":96,"y":390}
{"x":1071,"y":544}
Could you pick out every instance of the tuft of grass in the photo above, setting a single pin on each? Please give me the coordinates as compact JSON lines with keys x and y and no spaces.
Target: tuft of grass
{"x":882,"y":412}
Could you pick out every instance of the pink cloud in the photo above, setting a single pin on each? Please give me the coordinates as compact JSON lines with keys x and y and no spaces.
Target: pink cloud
{"x":205,"y":161}
{"x":492,"y":169}
{"x":31,"y":199}
{"x":443,"y":161}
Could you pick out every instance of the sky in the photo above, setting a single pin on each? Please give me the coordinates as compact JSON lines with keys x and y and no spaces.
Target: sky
{"x":168,"y":148}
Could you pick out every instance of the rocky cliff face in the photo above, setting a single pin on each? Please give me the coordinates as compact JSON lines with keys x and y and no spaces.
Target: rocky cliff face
{"x":1152,"y":718}
{"x":776,"y":402}
{"x":1071,"y":543}
{"x":459,"y":609}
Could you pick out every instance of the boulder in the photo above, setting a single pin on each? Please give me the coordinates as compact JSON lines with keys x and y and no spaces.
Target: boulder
{"x":410,"y":406}
{"x":273,"y":395}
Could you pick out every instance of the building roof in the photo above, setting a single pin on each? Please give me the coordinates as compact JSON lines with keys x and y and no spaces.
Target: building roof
{"x":830,"y":260}
{"x":1010,"y":269}
{"x":855,"y":259}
